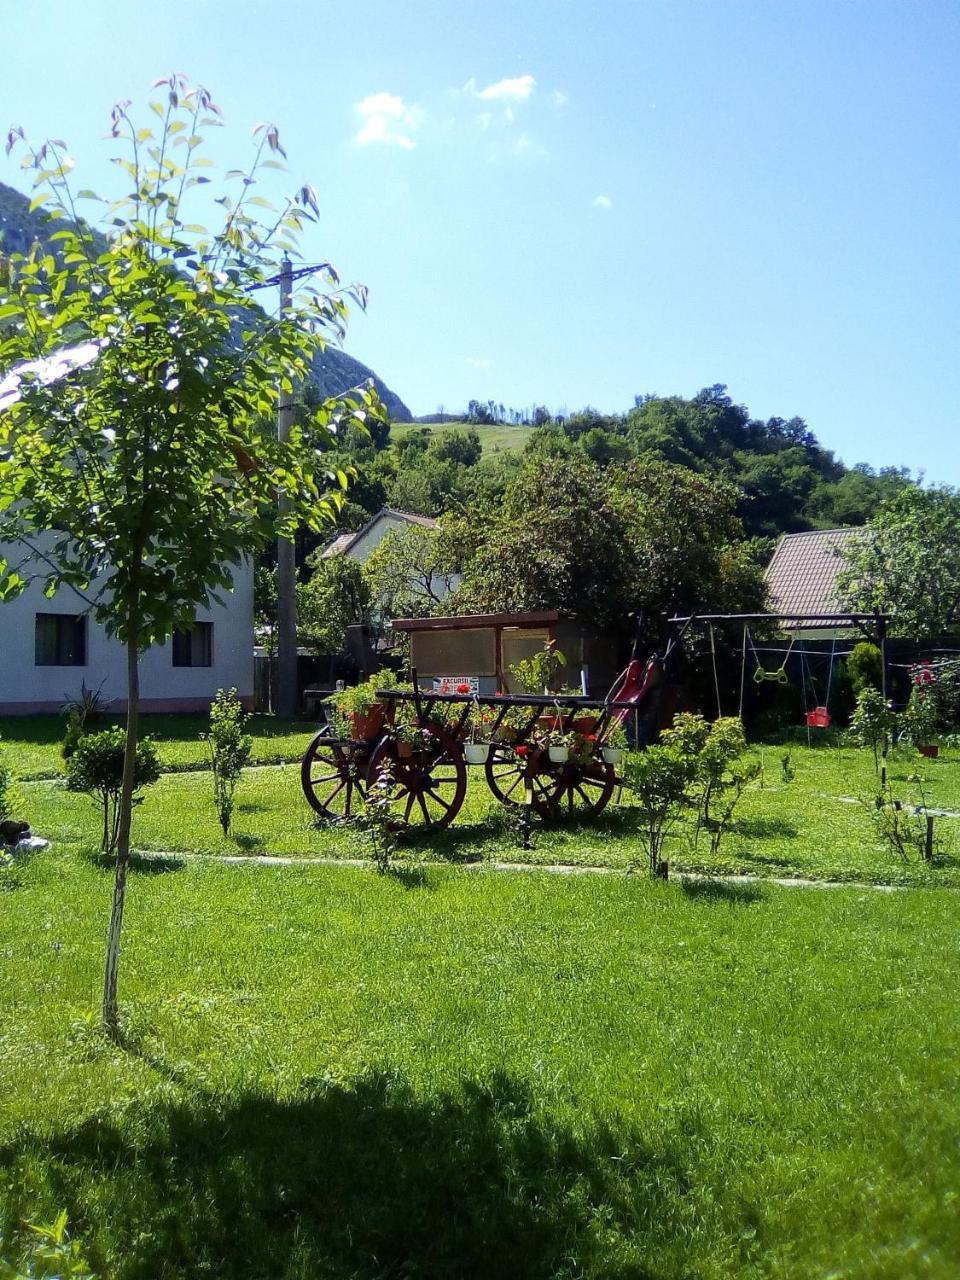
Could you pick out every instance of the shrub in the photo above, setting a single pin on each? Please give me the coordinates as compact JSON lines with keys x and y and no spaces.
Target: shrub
{"x":82,"y":713}
{"x":865,"y":666}
{"x":659,"y":779}
{"x":229,"y":751}
{"x":96,"y":768}
{"x":873,"y":722}
{"x":48,"y":1254}
{"x":375,"y":821}
{"x":542,"y":672}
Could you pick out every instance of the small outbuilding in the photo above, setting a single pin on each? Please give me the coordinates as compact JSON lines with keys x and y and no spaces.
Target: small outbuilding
{"x":473,"y":653}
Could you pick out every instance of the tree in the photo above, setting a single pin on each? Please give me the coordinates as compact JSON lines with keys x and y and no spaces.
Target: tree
{"x":335,"y":597}
{"x":908,"y":564}
{"x":414,"y":569}
{"x":156,"y":463}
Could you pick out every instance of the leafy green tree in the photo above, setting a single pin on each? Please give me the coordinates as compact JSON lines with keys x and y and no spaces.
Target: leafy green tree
{"x":414,"y":569}
{"x":98,"y":768}
{"x":335,"y":596}
{"x":152,"y":462}
{"x":908,"y":564}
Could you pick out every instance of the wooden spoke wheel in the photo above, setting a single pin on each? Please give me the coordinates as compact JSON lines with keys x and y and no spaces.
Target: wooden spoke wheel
{"x":505,"y":772}
{"x":429,"y":786}
{"x":572,"y":789}
{"x":332,"y":776}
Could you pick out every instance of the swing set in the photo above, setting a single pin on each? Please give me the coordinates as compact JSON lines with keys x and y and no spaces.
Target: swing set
{"x":816,"y":709}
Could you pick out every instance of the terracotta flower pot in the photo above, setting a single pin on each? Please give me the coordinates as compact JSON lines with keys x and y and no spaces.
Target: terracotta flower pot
{"x":930,"y":750}
{"x":404,"y":749}
{"x":367,"y":725}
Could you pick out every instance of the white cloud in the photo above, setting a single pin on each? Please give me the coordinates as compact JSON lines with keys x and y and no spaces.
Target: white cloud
{"x":476,"y":363}
{"x":559,"y":98}
{"x":602,"y":202}
{"x":388,"y":120}
{"x":517,"y":89}
{"x":383,"y":104}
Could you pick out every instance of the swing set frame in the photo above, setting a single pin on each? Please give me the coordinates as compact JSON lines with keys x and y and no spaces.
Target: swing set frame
{"x":871,"y":625}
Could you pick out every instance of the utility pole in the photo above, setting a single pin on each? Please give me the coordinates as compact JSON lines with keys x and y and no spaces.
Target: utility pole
{"x":288,"y":692}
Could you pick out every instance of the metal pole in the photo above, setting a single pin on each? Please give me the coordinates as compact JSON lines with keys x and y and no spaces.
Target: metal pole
{"x":287,"y":682}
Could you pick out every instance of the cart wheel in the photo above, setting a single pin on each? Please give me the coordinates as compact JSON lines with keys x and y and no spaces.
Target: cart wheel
{"x":429,"y":786}
{"x":332,"y":776}
{"x":571,"y":789}
{"x":505,"y":772}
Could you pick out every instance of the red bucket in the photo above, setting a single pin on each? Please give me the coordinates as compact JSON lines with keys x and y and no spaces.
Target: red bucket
{"x":818,"y":718}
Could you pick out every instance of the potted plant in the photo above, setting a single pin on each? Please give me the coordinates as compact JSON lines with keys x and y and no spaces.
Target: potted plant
{"x":614,"y":742}
{"x":558,"y":745}
{"x":476,"y":749}
{"x":922,"y":716}
{"x":358,"y":713}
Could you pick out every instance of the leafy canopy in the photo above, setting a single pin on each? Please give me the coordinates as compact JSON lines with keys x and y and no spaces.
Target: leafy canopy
{"x":156,"y":463}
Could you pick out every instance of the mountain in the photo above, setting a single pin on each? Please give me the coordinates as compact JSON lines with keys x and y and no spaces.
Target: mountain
{"x":333,"y":370}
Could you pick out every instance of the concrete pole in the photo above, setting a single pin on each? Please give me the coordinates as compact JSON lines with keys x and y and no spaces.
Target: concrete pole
{"x":288,"y":695}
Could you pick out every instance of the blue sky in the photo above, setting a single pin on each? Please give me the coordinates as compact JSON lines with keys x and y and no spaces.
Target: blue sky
{"x":572,"y":203}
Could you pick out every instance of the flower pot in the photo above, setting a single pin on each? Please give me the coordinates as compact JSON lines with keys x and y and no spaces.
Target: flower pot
{"x":476,"y":752}
{"x":404,"y":749}
{"x":558,"y":755}
{"x":584,"y":724}
{"x":367,"y":725}
{"x":613,"y":755}
{"x":930,"y":750}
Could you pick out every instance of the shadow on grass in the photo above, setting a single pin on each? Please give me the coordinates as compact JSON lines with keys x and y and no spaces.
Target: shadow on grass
{"x":410,"y":877}
{"x":367,"y":1180}
{"x":723,"y":891}
{"x":249,"y":844}
{"x":141,"y":864}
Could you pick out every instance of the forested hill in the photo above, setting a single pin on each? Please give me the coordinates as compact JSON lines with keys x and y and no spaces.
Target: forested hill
{"x":333,"y":371}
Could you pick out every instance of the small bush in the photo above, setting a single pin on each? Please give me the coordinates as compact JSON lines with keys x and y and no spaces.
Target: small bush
{"x":6,"y":789}
{"x":873,"y":722}
{"x":96,"y":768}
{"x":230,"y":751}
{"x":865,"y":666}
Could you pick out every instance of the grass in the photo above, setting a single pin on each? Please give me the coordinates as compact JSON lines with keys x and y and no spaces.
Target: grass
{"x":335,"y":1074}
{"x":498,"y":437}
{"x":812,"y":828}
{"x":33,"y":742}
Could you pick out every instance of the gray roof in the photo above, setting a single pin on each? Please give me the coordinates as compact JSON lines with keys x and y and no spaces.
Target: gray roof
{"x":347,"y":540}
{"x":801,"y":573}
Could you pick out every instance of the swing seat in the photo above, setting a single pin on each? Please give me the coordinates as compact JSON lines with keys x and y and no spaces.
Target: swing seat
{"x":818,"y":718}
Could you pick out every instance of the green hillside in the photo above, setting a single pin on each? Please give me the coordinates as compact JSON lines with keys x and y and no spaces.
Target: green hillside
{"x":498,"y":437}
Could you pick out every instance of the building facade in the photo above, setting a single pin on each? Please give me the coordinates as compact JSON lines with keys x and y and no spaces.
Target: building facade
{"x":51,"y":648}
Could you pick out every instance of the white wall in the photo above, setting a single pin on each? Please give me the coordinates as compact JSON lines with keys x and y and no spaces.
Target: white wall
{"x":25,"y":687}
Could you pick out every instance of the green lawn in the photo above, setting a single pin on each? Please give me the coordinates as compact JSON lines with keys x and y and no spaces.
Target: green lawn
{"x":458,"y":1074}
{"x":812,"y":827}
{"x":33,"y":742}
{"x":495,"y":438}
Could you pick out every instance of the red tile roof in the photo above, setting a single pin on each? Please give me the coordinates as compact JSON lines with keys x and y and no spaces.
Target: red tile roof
{"x":800,"y":575}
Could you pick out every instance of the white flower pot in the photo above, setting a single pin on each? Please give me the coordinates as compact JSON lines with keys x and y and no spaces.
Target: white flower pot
{"x":476,"y":752}
{"x":613,"y":755}
{"x":559,"y":755}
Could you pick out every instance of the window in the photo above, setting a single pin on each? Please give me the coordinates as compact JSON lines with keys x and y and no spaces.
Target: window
{"x":60,"y":640}
{"x":194,"y":648}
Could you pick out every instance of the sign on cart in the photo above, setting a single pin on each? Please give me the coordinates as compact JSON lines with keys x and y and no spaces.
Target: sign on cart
{"x":467,"y":686}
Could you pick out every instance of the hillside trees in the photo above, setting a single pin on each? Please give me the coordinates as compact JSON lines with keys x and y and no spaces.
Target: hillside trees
{"x":151,"y":462}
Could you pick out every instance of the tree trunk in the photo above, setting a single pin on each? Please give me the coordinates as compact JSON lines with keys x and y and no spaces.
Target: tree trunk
{"x":110,"y":1018}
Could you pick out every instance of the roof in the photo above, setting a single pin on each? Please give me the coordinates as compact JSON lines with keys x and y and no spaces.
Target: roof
{"x":467,"y":621}
{"x":347,"y":540}
{"x":802,"y":570}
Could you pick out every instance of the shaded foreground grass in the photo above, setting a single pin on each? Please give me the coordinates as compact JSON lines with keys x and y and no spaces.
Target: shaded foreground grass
{"x":812,"y":827}
{"x":343,"y":1075}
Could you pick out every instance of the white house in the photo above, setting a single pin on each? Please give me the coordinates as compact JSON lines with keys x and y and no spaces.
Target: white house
{"x":360,"y":546}
{"x":49,"y":649}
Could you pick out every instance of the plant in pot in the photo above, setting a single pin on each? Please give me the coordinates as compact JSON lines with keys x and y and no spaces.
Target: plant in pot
{"x":558,"y":745}
{"x":614,"y":742}
{"x":477,"y":746}
{"x":410,"y":735}
{"x":357,"y":712}
{"x":922,"y":715}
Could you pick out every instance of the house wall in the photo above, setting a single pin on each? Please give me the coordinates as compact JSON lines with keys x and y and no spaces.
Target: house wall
{"x":26,"y":688}
{"x":371,"y":538}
